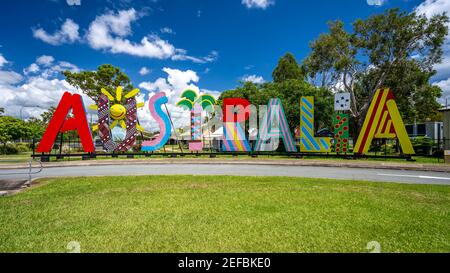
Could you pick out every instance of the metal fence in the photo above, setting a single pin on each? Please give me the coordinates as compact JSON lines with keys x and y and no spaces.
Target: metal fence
{"x":70,"y":147}
{"x":22,"y":169}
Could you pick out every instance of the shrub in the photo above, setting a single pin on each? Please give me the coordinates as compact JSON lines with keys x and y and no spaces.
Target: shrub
{"x":9,"y":149}
{"x":389,"y":148}
{"x":422,"y":145}
{"x":23,"y":147}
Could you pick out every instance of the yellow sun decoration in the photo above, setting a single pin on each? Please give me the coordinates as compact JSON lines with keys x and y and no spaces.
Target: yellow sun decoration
{"x":117,"y":111}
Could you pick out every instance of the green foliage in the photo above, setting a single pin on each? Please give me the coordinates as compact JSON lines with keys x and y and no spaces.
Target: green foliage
{"x":13,"y":129}
{"x":423,"y":145}
{"x":47,"y":115}
{"x":4,"y":136}
{"x":190,"y":97}
{"x":9,"y":149}
{"x":36,"y":127}
{"x":289,"y":92}
{"x":379,"y":146}
{"x":23,"y":147}
{"x":331,"y":53}
{"x":106,"y":76}
{"x":395,"y":49}
{"x":15,"y":148}
{"x":395,"y":36}
{"x":287,"y":69}
{"x":425,"y":104}
{"x":186,"y":104}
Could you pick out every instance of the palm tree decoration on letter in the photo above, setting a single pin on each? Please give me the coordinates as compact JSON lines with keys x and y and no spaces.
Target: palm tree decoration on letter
{"x":191,"y":101}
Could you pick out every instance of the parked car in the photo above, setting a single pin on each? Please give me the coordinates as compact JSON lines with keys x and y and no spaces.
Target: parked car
{"x":324,"y":133}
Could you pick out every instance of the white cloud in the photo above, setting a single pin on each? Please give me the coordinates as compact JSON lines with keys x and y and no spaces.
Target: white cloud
{"x":34,"y":93}
{"x":167,"y":30}
{"x":156,"y":86}
{"x":63,"y":66}
{"x":35,"y":96}
{"x":45,"y":60}
{"x":30,"y":96}
{"x":3,"y":61}
{"x":181,"y":56}
{"x":445,"y":86}
{"x":443,"y":69}
{"x":260,"y":4}
{"x":33,"y":68}
{"x":108,"y":32}
{"x":430,"y":8}
{"x":253,"y":78}
{"x":67,"y":34}
{"x":73,"y":2}
{"x":176,"y":82}
{"x":433,"y":7}
{"x":48,"y":68}
{"x":144,"y":71}
{"x":181,"y":79}
{"x":9,"y":77}
{"x":376,"y":2}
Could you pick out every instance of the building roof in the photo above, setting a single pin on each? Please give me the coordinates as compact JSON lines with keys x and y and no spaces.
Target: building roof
{"x":444,"y":109}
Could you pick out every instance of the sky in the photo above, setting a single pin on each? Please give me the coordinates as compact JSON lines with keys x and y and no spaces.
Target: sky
{"x":167,"y":45}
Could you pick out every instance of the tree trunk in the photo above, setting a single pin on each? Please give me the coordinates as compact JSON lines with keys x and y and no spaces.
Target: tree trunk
{"x":359,"y":120}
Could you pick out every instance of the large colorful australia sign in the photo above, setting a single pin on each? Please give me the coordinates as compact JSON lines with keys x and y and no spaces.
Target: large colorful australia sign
{"x":383,"y":120}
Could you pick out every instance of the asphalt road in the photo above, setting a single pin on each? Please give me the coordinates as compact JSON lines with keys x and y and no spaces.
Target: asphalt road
{"x":378,"y":175}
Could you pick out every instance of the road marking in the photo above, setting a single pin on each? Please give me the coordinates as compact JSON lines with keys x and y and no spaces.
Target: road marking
{"x":415,"y":176}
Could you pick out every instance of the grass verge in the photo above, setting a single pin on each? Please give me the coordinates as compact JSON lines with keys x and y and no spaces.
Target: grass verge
{"x":224,"y":214}
{"x":25,"y":157}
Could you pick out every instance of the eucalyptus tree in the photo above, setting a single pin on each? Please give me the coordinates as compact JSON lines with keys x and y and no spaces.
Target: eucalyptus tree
{"x":394,"y":49}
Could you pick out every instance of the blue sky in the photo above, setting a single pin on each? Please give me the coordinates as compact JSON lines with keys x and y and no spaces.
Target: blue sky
{"x":248,"y":40}
{"x":209,"y":44}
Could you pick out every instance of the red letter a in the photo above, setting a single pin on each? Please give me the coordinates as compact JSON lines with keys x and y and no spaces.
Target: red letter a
{"x":60,"y":123}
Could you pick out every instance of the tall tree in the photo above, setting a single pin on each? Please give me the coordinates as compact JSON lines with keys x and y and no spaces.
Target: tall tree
{"x":47,"y":115}
{"x":13,"y":129}
{"x":36,"y":127}
{"x":2,"y":111}
{"x":106,"y":76}
{"x":287,"y":69}
{"x":394,"y":49}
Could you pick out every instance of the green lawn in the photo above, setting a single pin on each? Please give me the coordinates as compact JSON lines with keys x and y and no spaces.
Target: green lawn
{"x":224,"y":214}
